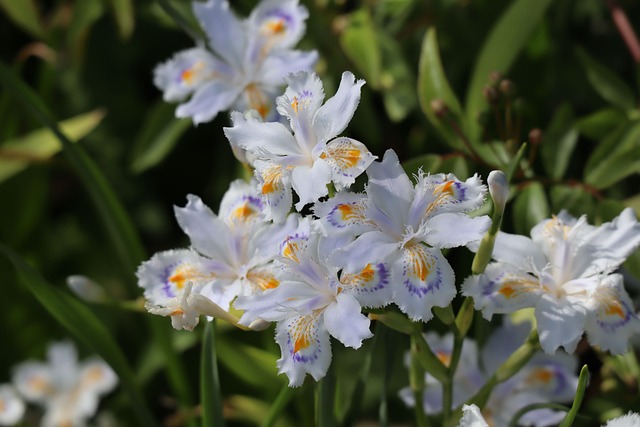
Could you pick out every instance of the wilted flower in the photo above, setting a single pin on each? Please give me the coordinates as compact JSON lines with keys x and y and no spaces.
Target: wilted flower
{"x":69,"y":391}
{"x":312,"y":157}
{"x":564,"y":271}
{"x":246,"y":64}
{"x":406,"y":226}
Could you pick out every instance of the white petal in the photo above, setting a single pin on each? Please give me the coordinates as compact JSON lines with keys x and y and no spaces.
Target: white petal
{"x":242,"y":203}
{"x":186,"y":72}
{"x":632,"y":419}
{"x":344,"y":321}
{"x":371,"y":285}
{"x":226,"y":33}
{"x":560,"y":323}
{"x":305,"y":347}
{"x":259,"y":137}
{"x":96,"y":377}
{"x":611,"y":318}
{"x":519,"y":251}
{"x":450,"y":230}
{"x":11,"y":406}
{"x":275,"y":185}
{"x":390,"y":191}
{"x":422,"y":279}
{"x":279,"y":64}
{"x":301,"y":100}
{"x":33,"y":380}
{"x":211,"y":98}
{"x":348,"y":158}
{"x":334,"y":116}
{"x":278,"y":23}
{"x":472,"y":417}
{"x":310,"y":183}
{"x":370,"y":248}
{"x":344,"y":213}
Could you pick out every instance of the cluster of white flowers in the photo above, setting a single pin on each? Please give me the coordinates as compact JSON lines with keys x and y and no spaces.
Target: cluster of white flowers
{"x":312,"y":274}
{"x":68,"y":391}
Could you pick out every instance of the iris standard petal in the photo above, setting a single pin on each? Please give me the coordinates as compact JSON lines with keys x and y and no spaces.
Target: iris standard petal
{"x":211,"y":98}
{"x":226,"y":34}
{"x":345,"y":322}
{"x":259,"y":137}
{"x":560,"y":323}
{"x":450,"y":230}
{"x":310,"y":183}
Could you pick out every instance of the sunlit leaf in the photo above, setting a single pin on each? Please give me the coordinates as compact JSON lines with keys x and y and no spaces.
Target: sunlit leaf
{"x":558,"y":143}
{"x":360,"y":43}
{"x":25,"y":14}
{"x":604,"y":81}
{"x":530,"y":207}
{"x":434,"y":86}
{"x":160,"y":133}
{"x":85,"y":326}
{"x":40,"y":145}
{"x":124,"y":16}
{"x":250,"y":364}
{"x":507,"y":38}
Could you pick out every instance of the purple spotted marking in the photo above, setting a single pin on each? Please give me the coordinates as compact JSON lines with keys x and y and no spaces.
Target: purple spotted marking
{"x":164,"y":278}
{"x":612,"y":326}
{"x":421,"y":291}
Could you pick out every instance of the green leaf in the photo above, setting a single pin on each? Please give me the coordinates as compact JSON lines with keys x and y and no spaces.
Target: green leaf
{"x":124,"y":15}
{"x":25,"y":14}
{"x":359,"y":41}
{"x":575,"y":199}
{"x":559,"y":141}
{"x":577,"y":400}
{"x":85,"y":326}
{"x":507,"y":38}
{"x":530,"y":207}
{"x":117,"y":222}
{"x":433,"y":85}
{"x":250,"y":364}
{"x":397,"y":80}
{"x":210,"y":395}
{"x":160,"y":133}
{"x":278,"y":406}
{"x":435,"y":163}
{"x":599,"y":124}
{"x":615,"y":158}
{"x":40,"y":145}
{"x":608,"y":85}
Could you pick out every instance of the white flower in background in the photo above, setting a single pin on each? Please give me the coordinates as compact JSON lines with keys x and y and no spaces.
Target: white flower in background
{"x":406,"y":226}
{"x":632,"y":419}
{"x":545,"y":378}
{"x":312,"y":303}
{"x":68,"y":391}
{"x":11,"y":406}
{"x":243,"y":64}
{"x":564,"y":271}
{"x":231,"y":254}
{"x":313,"y":156}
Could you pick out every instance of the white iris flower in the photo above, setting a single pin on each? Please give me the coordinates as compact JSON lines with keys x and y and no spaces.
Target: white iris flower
{"x":312,"y":303}
{"x":69,"y":391}
{"x":565,"y":272}
{"x":406,"y":226}
{"x":11,"y":406}
{"x":245,"y":63}
{"x":313,"y":156}
{"x":231,"y":254}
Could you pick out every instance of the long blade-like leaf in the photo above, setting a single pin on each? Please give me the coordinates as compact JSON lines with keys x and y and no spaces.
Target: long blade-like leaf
{"x":210,"y":395}
{"x":85,"y":326}
{"x":112,"y":213}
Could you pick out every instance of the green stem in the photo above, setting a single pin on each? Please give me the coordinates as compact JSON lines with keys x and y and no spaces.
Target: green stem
{"x":427,"y":358}
{"x":210,"y":394}
{"x":283,"y":398}
{"x":577,"y":401}
{"x":326,"y":391}
{"x":416,"y":380}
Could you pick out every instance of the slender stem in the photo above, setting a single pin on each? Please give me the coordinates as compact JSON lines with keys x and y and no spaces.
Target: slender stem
{"x":416,"y":380}
{"x":283,"y":398}
{"x":210,"y":394}
{"x":625,"y":29}
{"x":325,"y":395}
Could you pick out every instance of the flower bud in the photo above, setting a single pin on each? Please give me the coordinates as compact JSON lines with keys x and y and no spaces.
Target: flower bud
{"x":491,"y":95}
{"x":499,"y":189}
{"x":439,"y":108}
{"x":535,"y":136}
{"x":86,"y":289}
